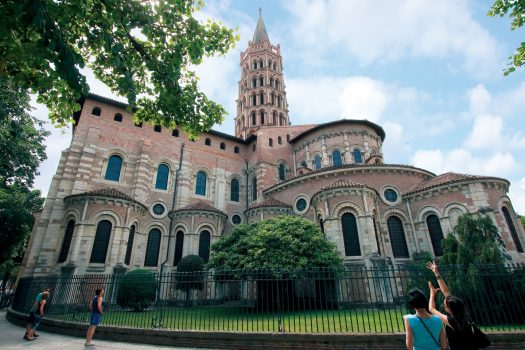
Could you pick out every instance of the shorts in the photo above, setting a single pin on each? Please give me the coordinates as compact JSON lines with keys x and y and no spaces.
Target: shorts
{"x":34,"y":319}
{"x":95,"y":319}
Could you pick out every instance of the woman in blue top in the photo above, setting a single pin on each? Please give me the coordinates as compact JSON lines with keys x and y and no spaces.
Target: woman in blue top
{"x":423,"y":330}
{"x":96,"y":308}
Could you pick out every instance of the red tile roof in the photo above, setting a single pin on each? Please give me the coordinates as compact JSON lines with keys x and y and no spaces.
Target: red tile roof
{"x":449,"y":178}
{"x":107,"y":192}
{"x":199,"y":206}
{"x":270,"y":202}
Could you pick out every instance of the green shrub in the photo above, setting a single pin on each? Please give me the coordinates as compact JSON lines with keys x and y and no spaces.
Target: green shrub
{"x":189,"y":273}
{"x":137,"y":290}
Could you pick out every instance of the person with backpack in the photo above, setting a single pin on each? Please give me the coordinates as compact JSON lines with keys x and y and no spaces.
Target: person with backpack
{"x":36,"y":314}
{"x":96,"y":307}
{"x":461,"y":333}
{"x":423,"y":330}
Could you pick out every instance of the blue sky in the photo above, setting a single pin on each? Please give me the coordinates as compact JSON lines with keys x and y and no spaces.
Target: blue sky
{"x":429,"y":72}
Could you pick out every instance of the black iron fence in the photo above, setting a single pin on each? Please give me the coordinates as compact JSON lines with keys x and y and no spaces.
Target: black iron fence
{"x":357,"y":299}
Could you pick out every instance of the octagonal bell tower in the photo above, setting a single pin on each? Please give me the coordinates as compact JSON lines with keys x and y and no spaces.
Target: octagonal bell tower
{"x":262,"y":95}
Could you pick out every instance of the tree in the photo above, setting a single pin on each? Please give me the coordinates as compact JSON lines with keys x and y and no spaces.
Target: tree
{"x":517,"y":14}
{"x":143,"y":50}
{"x":189,"y":275}
{"x":522,"y":218}
{"x":280,"y":243}
{"x":21,"y":137}
{"x":137,"y":290}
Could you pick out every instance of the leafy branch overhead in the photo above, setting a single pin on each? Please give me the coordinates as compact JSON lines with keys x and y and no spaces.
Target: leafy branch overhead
{"x":516,"y":11}
{"x":143,"y":50}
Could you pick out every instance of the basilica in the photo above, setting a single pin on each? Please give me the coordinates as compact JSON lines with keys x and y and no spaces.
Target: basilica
{"x":128,"y":195}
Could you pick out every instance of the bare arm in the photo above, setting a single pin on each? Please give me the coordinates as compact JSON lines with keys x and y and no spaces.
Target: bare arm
{"x":41,"y":308}
{"x":442,"y":285}
{"x":443,"y":339}
{"x":99,"y":304}
{"x":432,"y":304}
{"x":409,"y":335}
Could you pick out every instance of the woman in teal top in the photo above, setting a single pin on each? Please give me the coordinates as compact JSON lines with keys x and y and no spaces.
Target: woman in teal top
{"x":423,"y":330}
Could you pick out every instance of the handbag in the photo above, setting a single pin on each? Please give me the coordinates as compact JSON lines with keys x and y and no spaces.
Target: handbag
{"x":479,"y":338}
{"x":429,"y":332}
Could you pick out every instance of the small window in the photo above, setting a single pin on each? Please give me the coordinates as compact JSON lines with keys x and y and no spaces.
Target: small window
{"x":118,"y":117}
{"x":317,"y":162}
{"x":254,"y":147}
{"x":234,"y":190}
{"x":152,"y":248}
{"x":254,"y":82}
{"x":157,"y":128}
{"x":96,"y":111}
{"x":236,"y":219}
{"x":254,"y":189}
{"x":113,"y":169}
{"x":138,"y":125}
{"x":207,"y":142}
{"x":254,"y":118}
{"x":358,"y":159}
{"x":163,"y":173}
{"x":158,"y":209}
{"x":254,"y":100}
{"x":236,"y":149}
{"x":175,"y":133}
{"x":282,"y":172}
{"x":279,"y":140}
{"x":288,"y":138}
{"x":222,"y":146}
{"x":179,"y":245}
{"x":270,"y":142}
{"x":200,"y":185}
{"x":336,"y":158}
{"x":261,"y":81}
{"x":301,"y":205}
{"x":204,"y":245}
{"x":391,"y":195}
{"x":261,"y":116}
{"x":261,"y":98}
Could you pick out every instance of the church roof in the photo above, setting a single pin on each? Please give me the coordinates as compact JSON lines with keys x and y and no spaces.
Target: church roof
{"x":270,"y":202}
{"x":342,"y":184}
{"x":199,"y":206}
{"x":260,"y":34}
{"x":107,"y":192}
{"x":449,"y":178}
{"x":379,"y":130}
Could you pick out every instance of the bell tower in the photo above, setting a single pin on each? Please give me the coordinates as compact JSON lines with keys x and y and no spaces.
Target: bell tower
{"x":262,"y":95}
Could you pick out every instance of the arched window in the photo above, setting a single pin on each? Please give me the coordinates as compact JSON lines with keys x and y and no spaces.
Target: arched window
{"x":261,"y":98}
{"x":271,"y":82}
{"x":282,"y":172}
{"x":204,"y":245}
{"x":270,"y":142}
{"x":287,"y":137}
{"x":397,"y":237}
{"x":357,"y":156}
{"x":101,"y":242}
{"x":163,"y":173}
{"x":261,"y":81}
{"x":113,"y":168}
{"x":261,"y":65}
{"x":274,"y":117}
{"x":207,"y":142}
{"x":222,"y":145}
{"x":350,"y":235}
{"x":254,"y":82}
{"x":254,"y":189}
{"x":96,"y":111}
{"x":129,"y":248}
{"x":279,"y":140}
{"x":236,"y":149}
{"x":66,"y":243}
{"x":179,"y":244}
{"x":336,"y":158}
{"x":175,"y":133}
{"x":254,"y":64}
{"x":152,"y":248}
{"x":261,"y":116}
{"x":274,"y":66}
{"x":200,"y":185}
{"x":254,"y":118}
{"x":117,"y":117}
{"x":277,"y":84}
{"x":234,"y":190}
{"x":243,"y":121}
{"x":157,"y":128}
{"x":317,"y":162}
{"x":278,"y":101}
{"x":254,"y":100}
{"x":512,"y":229}
{"x":436,"y":234}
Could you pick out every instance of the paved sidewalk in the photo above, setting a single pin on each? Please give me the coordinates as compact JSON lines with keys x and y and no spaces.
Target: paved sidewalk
{"x":11,"y":338}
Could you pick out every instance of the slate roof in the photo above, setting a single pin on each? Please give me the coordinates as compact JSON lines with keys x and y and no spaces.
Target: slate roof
{"x":260,"y":34}
{"x":270,"y":202}
{"x":199,"y":206}
{"x":107,"y":192}
{"x":449,"y":178}
{"x":379,"y":130}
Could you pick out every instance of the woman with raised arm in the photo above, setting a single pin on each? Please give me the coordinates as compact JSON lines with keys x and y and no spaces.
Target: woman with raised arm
{"x":457,"y":325}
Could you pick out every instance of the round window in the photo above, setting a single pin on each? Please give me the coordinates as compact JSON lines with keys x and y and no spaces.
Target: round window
{"x":158,"y":209}
{"x":390,"y":195}
{"x":236,"y":219}
{"x":300,"y":205}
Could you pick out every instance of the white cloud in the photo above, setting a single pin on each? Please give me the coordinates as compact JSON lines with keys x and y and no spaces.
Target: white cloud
{"x":486,"y":133}
{"x":389,"y":30}
{"x":517,"y":195}
{"x":479,"y":99}
{"x":463,"y":161}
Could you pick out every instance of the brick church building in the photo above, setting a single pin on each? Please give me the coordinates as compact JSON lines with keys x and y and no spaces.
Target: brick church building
{"x":128,"y":195}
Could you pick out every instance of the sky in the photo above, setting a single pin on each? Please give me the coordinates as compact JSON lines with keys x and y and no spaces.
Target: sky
{"x":429,"y":72}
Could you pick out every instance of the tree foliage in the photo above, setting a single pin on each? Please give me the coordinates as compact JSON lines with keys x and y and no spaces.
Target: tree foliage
{"x":189,"y":273}
{"x":280,"y":243}
{"x":137,"y":290}
{"x":143,"y":50}
{"x":21,"y":137}
{"x":516,"y":11}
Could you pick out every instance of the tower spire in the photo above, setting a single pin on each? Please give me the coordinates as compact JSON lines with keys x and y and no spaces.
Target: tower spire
{"x":260,"y":31}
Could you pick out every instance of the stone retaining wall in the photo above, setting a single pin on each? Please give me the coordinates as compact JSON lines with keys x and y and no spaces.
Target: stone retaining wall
{"x":235,"y":340}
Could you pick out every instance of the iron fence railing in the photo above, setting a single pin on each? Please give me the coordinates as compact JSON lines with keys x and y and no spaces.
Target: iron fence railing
{"x":354,"y":300}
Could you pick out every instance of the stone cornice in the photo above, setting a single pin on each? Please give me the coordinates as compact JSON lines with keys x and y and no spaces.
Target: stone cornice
{"x":455,"y":186}
{"x":342,"y":191}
